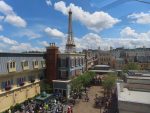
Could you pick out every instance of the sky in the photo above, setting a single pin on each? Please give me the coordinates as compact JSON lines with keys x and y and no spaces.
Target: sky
{"x":30,"y":25}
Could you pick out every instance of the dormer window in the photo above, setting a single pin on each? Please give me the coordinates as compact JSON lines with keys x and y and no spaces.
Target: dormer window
{"x":11,"y":66}
{"x":25,"y":65}
{"x":35,"y":64}
{"x":43,"y":63}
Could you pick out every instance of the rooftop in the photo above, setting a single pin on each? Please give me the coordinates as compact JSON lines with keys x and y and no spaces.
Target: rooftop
{"x":101,"y":66}
{"x":103,"y":71}
{"x":133,"y":96}
{"x":18,"y":54}
{"x":62,"y":81}
{"x":139,"y":77}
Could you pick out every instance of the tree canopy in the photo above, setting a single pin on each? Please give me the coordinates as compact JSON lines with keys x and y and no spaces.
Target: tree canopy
{"x":82,"y":80}
{"x":131,"y":66}
{"x":109,"y":82}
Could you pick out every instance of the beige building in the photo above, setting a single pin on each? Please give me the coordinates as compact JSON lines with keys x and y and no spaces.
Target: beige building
{"x":104,"y":58}
{"x":90,"y":58}
{"x":20,"y":77}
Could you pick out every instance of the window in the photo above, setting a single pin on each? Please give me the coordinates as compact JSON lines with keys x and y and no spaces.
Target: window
{"x":64,"y":74}
{"x":79,"y":62}
{"x":25,"y":65}
{"x":63,"y":62}
{"x":11,"y":66}
{"x":82,"y":61}
{"x":72,"y":62}
{"x":20,"y":81}
{"x":43,"y":63}
{"x":7,"y":85}
{"x":76,"y":62}
{"x":41,"y":75}
{"x":31,"y":78}
{"x":35,"y":64}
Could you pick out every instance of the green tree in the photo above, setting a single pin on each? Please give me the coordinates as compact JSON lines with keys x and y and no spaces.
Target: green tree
{"x":131,"y":66}
{"x":109,"y":83}
{"x":82,"y":81}
{"x":76,"y":84}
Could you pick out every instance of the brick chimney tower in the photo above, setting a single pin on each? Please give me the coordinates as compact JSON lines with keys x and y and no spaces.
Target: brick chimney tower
{"x":51,"y":62}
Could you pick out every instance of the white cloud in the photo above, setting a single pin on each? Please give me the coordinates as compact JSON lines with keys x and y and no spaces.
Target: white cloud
{"x":89,"y":40}
{"x":52,"y":32}
{"x":11,"y":16}
{"x":15,"y":20}
{"x":7,"y":40}
{"x":1,"y":28}
{"x":25,"y":47}
{"x":2,"y":18}
{"x":9,"y":45}
{"x":43,"y":43}
{"x":96,"y":21}
{"x":129,"y":38}
{"x":48,"y":2}
{"x":28,"y":33}
{"x":5,"y":8}
{"x":140,"y":18}
{"x":130,"y":33}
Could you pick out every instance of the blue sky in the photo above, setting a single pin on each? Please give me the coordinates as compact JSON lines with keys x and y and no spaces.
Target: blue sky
{"x":33,"y":24}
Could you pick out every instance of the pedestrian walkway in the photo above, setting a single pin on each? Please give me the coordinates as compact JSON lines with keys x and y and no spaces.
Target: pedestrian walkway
{"x":88,"y":107}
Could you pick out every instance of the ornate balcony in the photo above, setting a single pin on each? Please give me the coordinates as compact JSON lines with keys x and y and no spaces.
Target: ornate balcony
{"x":7,"y":88}
{"x":21,"y":84}
{"x":32,"y":80}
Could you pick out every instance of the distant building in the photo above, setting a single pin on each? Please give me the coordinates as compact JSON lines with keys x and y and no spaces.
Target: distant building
{"x":104,"y":57}
{"x":141,"y":56}
{"x":102,"y":69}
{"x":20,"y":77}
{"x":91,"y":58}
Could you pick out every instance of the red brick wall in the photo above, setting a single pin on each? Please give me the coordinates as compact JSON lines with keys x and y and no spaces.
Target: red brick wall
{"x":51,"y":63}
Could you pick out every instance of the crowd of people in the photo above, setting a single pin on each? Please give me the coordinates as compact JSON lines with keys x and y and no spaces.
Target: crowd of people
{"x":109,"y":104}
{"x":33,"y":106}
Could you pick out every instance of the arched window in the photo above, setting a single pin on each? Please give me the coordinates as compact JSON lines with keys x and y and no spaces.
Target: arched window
{"x":43,"y":63}
{"x":11,"y":66}
{"x":25,"y":65}
{"x":35,"y":64}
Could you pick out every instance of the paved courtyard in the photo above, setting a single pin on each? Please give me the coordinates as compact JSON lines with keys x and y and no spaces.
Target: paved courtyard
{"x":88,"y":107}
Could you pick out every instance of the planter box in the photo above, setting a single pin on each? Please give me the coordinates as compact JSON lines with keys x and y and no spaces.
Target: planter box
{"x":7,"y":88}
{"x":21,"y":84}
{"x":32,"y":81}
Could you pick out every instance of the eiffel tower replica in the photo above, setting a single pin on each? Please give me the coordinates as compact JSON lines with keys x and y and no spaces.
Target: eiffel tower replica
{"x":70,"y":45}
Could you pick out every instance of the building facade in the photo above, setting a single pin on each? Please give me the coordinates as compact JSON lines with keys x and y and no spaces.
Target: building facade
{"x":20,"y":76}
{"x":63,"y":67}
{"x":122,"y":56}
{"x":91,"y":58}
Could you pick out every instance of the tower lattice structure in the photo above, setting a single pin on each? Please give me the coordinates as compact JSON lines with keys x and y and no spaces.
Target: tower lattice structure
{"x":70,"y":45}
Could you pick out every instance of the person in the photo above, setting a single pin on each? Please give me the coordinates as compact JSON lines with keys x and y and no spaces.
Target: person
{"x":9,"y":111}
{"x":86,"y":98}
{"x":69,"y":109}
